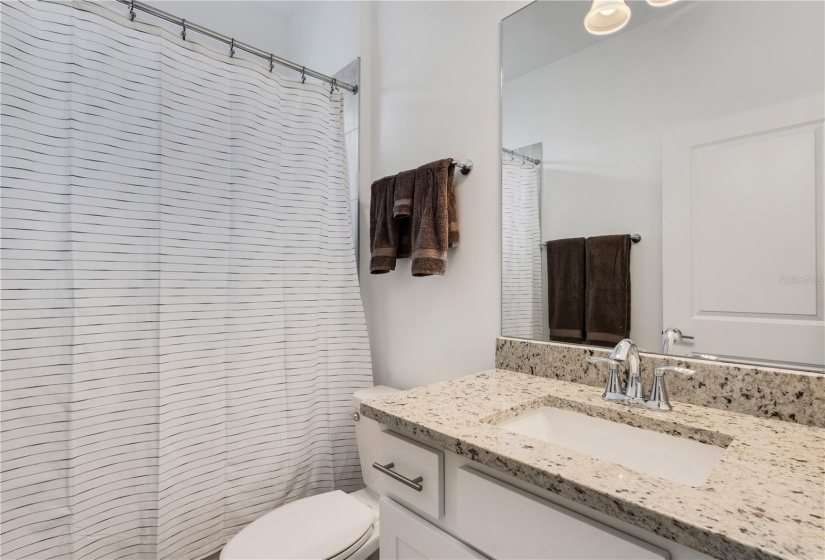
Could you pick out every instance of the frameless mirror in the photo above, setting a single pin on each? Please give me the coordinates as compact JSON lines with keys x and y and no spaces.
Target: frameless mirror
{"x":663,"y":179}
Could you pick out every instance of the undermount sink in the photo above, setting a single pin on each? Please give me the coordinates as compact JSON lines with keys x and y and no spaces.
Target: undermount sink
{"x":674,"y":458}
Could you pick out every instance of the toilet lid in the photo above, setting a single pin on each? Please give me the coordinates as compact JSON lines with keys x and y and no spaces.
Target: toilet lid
{"x":317,"y":528}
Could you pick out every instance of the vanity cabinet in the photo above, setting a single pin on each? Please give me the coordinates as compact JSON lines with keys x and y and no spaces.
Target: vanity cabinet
{"x":483,"y":513}
{"x":405,"y":535}
{"x":505,"y":522}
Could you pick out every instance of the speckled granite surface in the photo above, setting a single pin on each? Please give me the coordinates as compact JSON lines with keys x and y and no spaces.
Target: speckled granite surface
{"x":764,"y":499}
{"x":793,"y":396}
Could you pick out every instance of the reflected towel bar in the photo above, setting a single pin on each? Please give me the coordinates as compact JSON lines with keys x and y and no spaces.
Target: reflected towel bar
{"x":635,"y":238}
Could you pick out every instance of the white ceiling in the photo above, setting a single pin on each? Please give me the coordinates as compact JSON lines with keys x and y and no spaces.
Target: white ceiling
{"x":549,"y":30}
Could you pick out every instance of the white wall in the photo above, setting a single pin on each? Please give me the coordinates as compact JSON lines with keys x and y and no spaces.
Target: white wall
{"x":599,"y":114}
{"x":324,"y":35}
{"x":433,"y":93}
{"x":259,"y":24}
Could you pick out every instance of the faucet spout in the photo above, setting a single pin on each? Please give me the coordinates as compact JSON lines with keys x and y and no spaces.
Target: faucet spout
{"x":627,"y":351}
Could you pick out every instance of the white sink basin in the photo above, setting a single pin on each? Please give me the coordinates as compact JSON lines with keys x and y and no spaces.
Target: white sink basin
{"x":678,"y":459}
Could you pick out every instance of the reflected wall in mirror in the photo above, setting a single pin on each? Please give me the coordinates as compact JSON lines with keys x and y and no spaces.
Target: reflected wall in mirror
{"x":698,"y":126}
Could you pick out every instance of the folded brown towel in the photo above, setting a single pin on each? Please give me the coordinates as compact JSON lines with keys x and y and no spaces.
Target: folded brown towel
{"x":607,"y":298}
{"x":383,"y":226}
{"x":566,"y":285}
{"x":434,"y":217}
{"x":403,"y":211}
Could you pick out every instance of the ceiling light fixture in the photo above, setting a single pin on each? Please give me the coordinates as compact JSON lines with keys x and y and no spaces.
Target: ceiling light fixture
{"x":660,"y":3}
{"x":608,"y":16}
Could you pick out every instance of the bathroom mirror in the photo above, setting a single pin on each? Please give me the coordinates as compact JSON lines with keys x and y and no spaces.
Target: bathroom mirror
{"x":697,"y":128}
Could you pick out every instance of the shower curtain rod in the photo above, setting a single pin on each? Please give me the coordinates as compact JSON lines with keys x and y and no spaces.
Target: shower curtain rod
{"x":524,"y":158}
{"x":233,"y":44}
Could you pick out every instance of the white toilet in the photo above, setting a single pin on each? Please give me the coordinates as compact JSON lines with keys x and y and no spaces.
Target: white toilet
{"x":330,"y":526}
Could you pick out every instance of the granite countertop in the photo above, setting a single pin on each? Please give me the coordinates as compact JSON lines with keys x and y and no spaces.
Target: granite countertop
{"x":764,"y":499}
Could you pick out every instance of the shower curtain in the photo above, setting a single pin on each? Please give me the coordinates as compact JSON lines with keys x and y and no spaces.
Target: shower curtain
{"x":182,"y":324}
{"x":521,"y":298}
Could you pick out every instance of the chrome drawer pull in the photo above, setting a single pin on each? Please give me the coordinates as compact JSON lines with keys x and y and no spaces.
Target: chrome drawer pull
{"x":414,"y":483}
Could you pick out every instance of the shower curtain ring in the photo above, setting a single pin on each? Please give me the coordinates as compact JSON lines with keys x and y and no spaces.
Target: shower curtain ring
{"x":303,"y":74}
{"x":132,"y":14}
{"x":183,"y":32}
{"x":232,"y":47}
{"x":271,"y":62}
{"x":333,"y":86}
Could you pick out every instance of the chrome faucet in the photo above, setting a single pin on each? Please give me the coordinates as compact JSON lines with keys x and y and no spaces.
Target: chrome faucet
{"x":672,"y":336}
{"x":633,"y":392}
{"x":658,"y":393}
{"x":626,"y":351}
{"x":614,"y":390}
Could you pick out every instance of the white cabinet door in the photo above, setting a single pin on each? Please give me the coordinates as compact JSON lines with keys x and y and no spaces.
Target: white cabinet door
{"x":405,"y":536}
{"x":743,"y":240}
{"x":508,"y":523}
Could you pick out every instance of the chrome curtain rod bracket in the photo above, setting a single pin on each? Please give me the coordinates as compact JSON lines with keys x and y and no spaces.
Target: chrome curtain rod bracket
{"x":160,"y":14}
{"x":465,"y":165}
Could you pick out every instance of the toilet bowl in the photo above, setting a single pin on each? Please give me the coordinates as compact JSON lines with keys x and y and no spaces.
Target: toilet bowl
{"x":329,"y":526}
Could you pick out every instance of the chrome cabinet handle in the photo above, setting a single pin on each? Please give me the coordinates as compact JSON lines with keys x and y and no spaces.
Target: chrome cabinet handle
{"x":415,"y":483}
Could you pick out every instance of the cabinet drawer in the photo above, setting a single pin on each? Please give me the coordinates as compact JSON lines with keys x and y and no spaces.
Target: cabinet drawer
{"x":503,"y":521}
{"x":411,"y":473}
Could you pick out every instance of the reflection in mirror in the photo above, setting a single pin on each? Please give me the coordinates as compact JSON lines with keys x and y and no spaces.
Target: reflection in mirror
{"x":697,"y":126}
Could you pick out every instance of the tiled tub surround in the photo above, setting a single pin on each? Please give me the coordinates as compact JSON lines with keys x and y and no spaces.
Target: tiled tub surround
{"x":764,"y":499}
{"x":788,"y":395}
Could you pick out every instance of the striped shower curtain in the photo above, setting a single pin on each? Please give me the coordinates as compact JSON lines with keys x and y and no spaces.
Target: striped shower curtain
{"x":181,"y":318}
{"x":521,"y":300}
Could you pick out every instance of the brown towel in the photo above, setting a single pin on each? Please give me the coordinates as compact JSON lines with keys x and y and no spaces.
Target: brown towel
{"x":434,"y":220}
{"x":403,"y":211}
{"x":383,"y":226}
{"x":566,"y":284}
{"x":607,"y":298}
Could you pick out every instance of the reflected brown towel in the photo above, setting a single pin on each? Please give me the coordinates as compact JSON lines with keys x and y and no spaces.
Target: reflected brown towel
{"x":434,"y":217}
{"x":403,"y":211}
{"x":383,"y":226}
{"x":565,"y":285}
{"x":607,"y":299}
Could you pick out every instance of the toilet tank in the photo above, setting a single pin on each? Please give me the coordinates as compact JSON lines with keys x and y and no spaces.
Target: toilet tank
{"x":366,"y":432}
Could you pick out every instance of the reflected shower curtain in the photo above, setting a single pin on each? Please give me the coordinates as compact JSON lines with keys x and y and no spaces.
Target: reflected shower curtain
{"x":182,"y":323}
{"x":521,"y":309}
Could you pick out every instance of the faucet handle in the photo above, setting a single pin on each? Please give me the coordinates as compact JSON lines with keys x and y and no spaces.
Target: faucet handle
{"x":599,"y":360}
{"x":660,"y":371}
{"x":658,"y":392}
{"x":613,"y":390}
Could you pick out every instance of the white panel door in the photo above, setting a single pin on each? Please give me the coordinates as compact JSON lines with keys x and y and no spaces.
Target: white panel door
{"x":743,"y":242}
{"x":405,"y":536}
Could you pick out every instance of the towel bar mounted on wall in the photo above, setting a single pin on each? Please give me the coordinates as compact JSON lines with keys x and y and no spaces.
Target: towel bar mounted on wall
{"x":465,"y":165}
{"x":635,"y":238}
